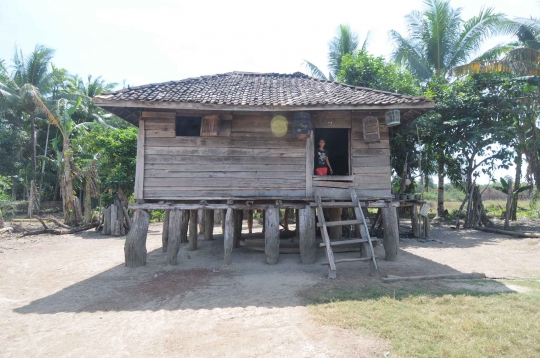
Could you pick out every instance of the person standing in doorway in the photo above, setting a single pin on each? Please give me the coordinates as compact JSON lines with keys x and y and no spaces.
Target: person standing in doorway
{"x":322,"y":163}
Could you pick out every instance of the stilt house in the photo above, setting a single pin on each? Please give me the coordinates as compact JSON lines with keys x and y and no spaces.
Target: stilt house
{"x":247,"y":140}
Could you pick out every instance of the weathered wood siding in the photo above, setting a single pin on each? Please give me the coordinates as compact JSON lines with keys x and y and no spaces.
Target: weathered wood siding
{"x":247,"y":161}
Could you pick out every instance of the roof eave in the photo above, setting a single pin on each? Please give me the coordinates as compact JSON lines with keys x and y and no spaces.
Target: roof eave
{"x":101,"y":102}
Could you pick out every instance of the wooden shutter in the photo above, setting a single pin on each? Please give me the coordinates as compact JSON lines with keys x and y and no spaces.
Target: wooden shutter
{"x":210,"y":126}
{"x":371,"y":130}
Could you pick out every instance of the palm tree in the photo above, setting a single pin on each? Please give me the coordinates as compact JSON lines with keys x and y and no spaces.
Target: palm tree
{"x":32,"y":76}
{"x":439,"y":40}
{"x":345,"y":42}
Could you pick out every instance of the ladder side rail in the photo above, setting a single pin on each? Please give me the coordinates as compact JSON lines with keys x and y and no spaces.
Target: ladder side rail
{"x":358,"y":211}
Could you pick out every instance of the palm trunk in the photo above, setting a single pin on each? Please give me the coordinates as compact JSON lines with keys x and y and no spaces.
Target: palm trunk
{"x":87,"y":203}
{"x":440,"y":194}
{"x":33,"y":141}
{"x":517,"y":184}
{"x":72,"y":206}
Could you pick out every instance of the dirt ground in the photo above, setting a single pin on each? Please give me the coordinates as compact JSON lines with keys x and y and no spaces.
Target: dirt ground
{"x":72,"y":296}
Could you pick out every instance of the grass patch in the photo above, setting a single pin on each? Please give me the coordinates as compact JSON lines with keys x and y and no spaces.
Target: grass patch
{"x":435,"y":319}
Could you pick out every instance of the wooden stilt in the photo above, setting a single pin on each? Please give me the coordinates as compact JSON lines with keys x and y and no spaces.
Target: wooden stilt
{"x":306,"y":225}
{"x":223,"y":214}
{"x":334,"y":214}
{"x":184,"y":226}
{"x":391,"y":233}
{"x":175,"y":220}
{"x":228,"y":236}
{"x":263,"y":221}
{"x":286,"y":220}
{"x":271,"y":235}
{"x":165,"y":232}
{"x":427,"y":227}
{"x":238,"y":218}
{"x":209,"y":224}
{"x":297,"y":223}
{"x":414,"y":221}
{"x":250,"y":221}
{"x":114,"y":221}
{"x":135,"y":246}
{"x":200,"y":215}
{"x":193,"y":214}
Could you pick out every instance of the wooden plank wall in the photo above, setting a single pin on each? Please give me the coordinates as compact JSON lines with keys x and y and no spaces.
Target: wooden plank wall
{"x":249,"y":161}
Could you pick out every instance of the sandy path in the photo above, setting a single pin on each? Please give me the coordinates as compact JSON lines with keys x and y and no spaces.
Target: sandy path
{"x":72,"y":296}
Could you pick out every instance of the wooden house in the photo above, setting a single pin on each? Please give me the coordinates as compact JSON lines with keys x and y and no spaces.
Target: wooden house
{"x":244,"y":141}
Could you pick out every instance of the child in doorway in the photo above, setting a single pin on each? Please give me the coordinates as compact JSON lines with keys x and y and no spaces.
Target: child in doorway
{"x":322,"y":163}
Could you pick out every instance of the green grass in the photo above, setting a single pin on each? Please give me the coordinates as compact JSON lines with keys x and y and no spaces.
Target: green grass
{"x":433,"y":319}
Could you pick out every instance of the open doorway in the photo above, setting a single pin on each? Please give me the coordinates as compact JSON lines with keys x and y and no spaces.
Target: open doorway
{"x":337,"y":144}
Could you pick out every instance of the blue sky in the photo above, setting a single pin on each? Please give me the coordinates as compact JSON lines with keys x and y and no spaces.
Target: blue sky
{"x":162,"y":40}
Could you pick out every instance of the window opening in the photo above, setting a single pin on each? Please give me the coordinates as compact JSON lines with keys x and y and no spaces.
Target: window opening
{"x":337,"y":145}
{"x":188,"y":126}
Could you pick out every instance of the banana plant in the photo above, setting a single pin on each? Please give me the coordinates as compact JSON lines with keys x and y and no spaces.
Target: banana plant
{"x":505,"y":185}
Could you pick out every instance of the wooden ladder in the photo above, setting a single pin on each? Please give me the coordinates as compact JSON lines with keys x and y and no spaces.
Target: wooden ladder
{"x":365,"y":239}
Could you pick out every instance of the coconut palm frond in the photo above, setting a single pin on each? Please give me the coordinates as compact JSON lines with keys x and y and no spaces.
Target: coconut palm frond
{"x":345,"y":42}
{"x":367,"y":40}
{"x":314,"y":70}
{"x":407,"y":54}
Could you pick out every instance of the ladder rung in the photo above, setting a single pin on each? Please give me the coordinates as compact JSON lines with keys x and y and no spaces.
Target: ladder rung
{"x":341,"y":223}
{"x":347,"y":242}
{"x":349,"y":260}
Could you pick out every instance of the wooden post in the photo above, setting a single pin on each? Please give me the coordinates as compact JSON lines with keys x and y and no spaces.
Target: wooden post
{"x":135,"y":246}
{"x":391,"y":232}
{"x":306,"y":225}
{"x":414,"y":221}
{"x":427,"y":228}
{"x":286,"y":220}
{"x":263,"y":221}
{"x":238,"y":216}
{"x":297,"y":223}
{"x":184,"y":226}
{"x":334,"y":214}
{"x":200,"y":215}
{"x":107,"y":221}
{"x":228,"y":236}
{"x":271,"y":235}
{"x":310,"y":159}
{"x":508,"y":205}
{"x":223,"y":215}
{"x":208,"y":224}
{"x":175,"y":220}
{"x":193,"y":214}
{"x":165,"y":232}
{"x":250,"y":221}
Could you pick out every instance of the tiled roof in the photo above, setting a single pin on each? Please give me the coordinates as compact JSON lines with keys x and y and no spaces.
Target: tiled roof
{"x":260,"y":89}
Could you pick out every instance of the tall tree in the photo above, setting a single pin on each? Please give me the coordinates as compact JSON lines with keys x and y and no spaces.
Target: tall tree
{"x":439,"y":40}
{"x":345,"y":42}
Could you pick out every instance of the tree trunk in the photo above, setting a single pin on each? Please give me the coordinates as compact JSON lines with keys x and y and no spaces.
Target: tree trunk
{"x":308,"y":244}
{"x":271,"y":235}
{"x":87,"y":203}
{"x":135,"y":246}
{"x":106,"y":221}
{"x":31,"y":199}
{"x":440,"y":193}
{"x":508,"y":205}
{"x":33,"y":142}
{"x":517,"y":184}
{"x":228,"y":236}
{"x":13,"y":189}
{"x":72,"y":211}
{"x":165,"y":231}
{"x":391,"y":233}
{"x":193,"y":214}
